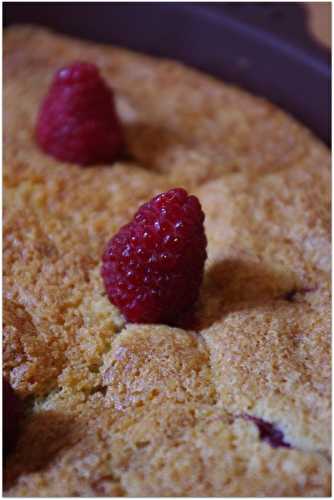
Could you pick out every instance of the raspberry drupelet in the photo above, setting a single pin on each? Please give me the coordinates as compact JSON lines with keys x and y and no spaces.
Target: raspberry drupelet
{"x":77,"y":121}
{"x":153,"y":267}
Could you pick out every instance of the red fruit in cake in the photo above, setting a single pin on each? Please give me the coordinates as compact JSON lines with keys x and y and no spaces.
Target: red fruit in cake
{"x":77,"y":121}
{"x":268,"y":432}
{"x":11,"y":411}
{"x":153,"y":267}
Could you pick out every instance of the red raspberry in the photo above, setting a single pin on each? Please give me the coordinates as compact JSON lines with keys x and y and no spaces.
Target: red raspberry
{"x":153,"y":267}
{"x":77,"y":121}
{"x":11,"y":411}
{"x":268,"y":432}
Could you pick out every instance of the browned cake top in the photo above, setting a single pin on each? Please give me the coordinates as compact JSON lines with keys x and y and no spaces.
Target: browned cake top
{"x":146,"y":410}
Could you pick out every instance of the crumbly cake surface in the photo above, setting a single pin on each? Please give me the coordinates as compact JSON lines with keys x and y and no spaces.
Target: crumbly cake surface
{"x":149,"y":410}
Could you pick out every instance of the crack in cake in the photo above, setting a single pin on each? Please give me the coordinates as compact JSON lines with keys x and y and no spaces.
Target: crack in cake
{"x":237,"y":403}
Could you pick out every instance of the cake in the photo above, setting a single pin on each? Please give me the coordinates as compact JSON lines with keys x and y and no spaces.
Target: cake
{"x":237,"y":402}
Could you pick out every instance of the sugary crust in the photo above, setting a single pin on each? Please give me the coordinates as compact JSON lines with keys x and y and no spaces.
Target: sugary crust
{"x":138,"y":410}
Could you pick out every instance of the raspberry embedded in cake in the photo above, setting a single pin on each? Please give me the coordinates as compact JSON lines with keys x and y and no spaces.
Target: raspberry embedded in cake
{"x":12,"y":410}
{"x":77,"y":121}
{"x":153,"y":267}
{"x":268,"y":432}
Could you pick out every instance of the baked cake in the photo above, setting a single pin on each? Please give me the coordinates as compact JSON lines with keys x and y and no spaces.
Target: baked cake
{"x":237,"y":401}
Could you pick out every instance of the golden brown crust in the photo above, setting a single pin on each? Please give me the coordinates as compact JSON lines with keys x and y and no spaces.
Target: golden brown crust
{"x":146,"y":410}
{"x":148,"y":362}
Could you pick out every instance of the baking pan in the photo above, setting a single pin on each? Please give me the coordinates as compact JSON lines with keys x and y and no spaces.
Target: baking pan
{"x":262,"y":47}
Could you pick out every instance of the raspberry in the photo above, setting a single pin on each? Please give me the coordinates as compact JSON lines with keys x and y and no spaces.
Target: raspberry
{"x":268,"y":432}
{"x":153,"y":267}
{"x":77,"y":121}
{"x":11,"y":410}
